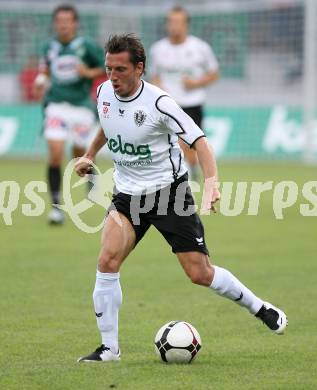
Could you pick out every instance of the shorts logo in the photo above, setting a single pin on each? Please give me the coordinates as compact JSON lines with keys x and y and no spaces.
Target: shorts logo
{"x":139,"y":117}
{"x":55,"y":122}
{"x":200,"y":240}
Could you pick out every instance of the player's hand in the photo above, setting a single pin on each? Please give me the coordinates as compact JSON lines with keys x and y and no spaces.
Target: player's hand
{"x":83,"y":166}
{"x":211,"y":195}
{"x":189,"y":83}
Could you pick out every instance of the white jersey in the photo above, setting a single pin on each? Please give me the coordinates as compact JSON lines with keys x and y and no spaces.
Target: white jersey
{"x":142,"y":135}
{"x":193,"y":58}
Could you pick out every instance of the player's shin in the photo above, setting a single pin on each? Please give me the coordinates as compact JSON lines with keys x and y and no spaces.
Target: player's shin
{"x":54,"y":181}
{"x":227,"y":285}
{"x":107,"y":299}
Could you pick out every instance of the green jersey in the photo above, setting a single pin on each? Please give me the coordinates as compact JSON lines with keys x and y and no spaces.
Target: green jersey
{"x":61,"y":61}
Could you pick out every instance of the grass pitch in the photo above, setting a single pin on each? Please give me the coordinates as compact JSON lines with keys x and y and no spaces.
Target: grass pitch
{"x":47,"y":319}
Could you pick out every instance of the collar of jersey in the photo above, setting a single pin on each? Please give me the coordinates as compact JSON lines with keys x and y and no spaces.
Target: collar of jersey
{"x":133,"y":97}
{"x":75,"y":41}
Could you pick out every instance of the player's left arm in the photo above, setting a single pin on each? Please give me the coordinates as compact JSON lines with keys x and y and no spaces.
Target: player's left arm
{"x":210,"y":70}
{"x":201,"y":82}
{"x":93,"y":67}
{"x":207,"y":161}
{"x":179,"y":123}
{"x":90,"y":73}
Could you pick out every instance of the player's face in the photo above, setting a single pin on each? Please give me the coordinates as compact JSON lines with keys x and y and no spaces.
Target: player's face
{"x":65,"y":25}
{"x":124,"y":76}
{"x":177,"y":25}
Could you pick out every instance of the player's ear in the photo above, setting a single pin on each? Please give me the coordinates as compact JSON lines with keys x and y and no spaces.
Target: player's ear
{"x":140,"y":68}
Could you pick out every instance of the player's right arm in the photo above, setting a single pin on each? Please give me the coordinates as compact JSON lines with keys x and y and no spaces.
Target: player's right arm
{"x":41,"y":84}
{"x":83,"y":165}
{"x":42,"y":80}
{"x":155,"y":78}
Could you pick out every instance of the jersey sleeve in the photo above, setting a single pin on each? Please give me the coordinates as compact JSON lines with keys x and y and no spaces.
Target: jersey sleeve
{"x":211,"y":63}
{"x":95,"y":55}
{"x":98,"y":90}
{"x":177,"y":121}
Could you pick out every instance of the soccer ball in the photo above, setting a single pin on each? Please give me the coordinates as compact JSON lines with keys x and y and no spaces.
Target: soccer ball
{"x":177,"y":342}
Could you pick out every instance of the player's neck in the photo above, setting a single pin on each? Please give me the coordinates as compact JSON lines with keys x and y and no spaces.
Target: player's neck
{"x":134,"y":92}
{"x":66,"y":39}
{"x":136,"y":88}
{"x":178,"y":40}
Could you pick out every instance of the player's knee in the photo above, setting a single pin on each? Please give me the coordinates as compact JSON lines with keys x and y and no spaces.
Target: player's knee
{"x":200,"y":276}
{"x":195,"y":276}
{"x":55,"y":161}
{"x":108,"y":262}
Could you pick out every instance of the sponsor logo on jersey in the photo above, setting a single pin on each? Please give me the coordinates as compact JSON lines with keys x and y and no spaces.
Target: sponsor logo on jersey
{"x":64,"y":69}
{"x":139,"y":117}
{"x":121,"y":112}
{"x":118,"y":146}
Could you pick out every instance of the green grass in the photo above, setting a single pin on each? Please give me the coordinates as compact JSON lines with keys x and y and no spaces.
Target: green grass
{"x":47,"y":319}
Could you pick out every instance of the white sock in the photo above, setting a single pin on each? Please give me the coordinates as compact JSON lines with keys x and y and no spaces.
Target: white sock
{"x":107,"y":298}
{"x":227,"y":285}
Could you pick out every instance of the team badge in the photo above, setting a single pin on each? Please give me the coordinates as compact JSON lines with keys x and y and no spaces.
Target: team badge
{"x":105,"y":109}
{"x":139,"y":117}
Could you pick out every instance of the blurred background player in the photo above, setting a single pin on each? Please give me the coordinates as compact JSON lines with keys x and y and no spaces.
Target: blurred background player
{"x":67,"y":68}
{"x":183,"y":66}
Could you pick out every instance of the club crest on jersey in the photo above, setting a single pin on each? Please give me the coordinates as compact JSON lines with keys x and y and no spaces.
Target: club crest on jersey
{"x":105,"y":109}
{"x":139,"y":117}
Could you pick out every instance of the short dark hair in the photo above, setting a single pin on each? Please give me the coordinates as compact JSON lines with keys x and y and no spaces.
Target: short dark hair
{"x":66,"y":8}
{"x":127,"y":42}
{"x":179,"y":8}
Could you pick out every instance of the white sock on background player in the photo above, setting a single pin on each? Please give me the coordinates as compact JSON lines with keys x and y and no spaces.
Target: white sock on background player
{"x":107,"y":298}
{"x":227,"y":285}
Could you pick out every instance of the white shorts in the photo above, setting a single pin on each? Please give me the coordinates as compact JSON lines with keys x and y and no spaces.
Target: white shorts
{"x":65,"y":122}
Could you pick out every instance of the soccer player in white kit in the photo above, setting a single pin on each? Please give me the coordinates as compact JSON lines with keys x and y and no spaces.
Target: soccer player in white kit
{"x":184,"y":65}
{"x":141,"y":125}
